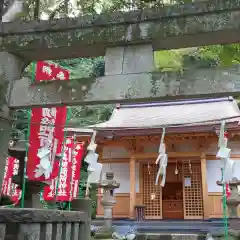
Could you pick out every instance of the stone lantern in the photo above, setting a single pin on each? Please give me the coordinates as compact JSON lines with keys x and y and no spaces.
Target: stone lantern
{"x":232,"y":203}
{"x":108,"y":185}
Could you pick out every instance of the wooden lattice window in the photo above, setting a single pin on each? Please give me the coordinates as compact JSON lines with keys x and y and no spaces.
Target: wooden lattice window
{"x":193,"y":199}
{"x":151,"y":193}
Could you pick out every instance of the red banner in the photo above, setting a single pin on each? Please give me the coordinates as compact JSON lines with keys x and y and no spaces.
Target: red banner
{"x":76,"y":166}
{"x":46,"y":129}
{"x":8,"y":187}
{"x":49,"y":71}
{"x":46,"y":136}
{"x":69,"y":174}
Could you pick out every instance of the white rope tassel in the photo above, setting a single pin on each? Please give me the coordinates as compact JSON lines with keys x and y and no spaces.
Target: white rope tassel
{"x":223,"y":152}
{"x":221,"y":141}
{"x":228,"y":165}
{"x":92,"y":145}
{"x":162,"y":160}
{"x":92,"y":157}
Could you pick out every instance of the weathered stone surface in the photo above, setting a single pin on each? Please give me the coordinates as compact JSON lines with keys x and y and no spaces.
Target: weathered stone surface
{"x":127,"y":87}
{"x":129,"y":59}
{"x":66,"y":231}
{"x":138,"y":59}
{"x":200,"y":23}
{"x":30,"y":231}
{"x":2,"y":231}
{"x":10,"y":69}
{"x":40,"y":216}
{"x":46,"y":231}
{"x":75,"y":231}
{"x":57,"y":231}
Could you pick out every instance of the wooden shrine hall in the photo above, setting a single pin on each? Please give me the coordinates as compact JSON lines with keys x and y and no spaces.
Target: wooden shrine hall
{"x":128,"y":145}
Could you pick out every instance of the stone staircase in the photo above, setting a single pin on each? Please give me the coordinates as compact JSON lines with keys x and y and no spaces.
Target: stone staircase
{"x":167,"y":230}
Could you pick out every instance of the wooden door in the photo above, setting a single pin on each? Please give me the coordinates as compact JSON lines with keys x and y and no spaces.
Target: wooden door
{"x":152,"y":194}
{"x":172,"y":193}
{"x":192,"y":194}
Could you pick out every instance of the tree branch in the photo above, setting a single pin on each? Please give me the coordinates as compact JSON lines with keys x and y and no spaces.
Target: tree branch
{"x":36,"y":9}
{"x":13,"y":11}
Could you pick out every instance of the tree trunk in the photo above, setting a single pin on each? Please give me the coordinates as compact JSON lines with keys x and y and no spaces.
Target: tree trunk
{"x":1,"y":9}
{"x":10,"y":69}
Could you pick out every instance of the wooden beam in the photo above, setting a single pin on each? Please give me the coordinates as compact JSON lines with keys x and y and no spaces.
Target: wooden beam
{"x":144,"y":156}
{"x":152,"y":157}
{"x":204,"y":186}
{"x":217,"y":82}
{"x":132,"y":168}
{"x":213,"y":157}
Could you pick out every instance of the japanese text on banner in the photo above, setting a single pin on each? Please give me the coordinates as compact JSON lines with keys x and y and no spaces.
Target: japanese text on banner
{"x":69,"y":175}
{"x":46,"y":129}
{"x":8,"y":187}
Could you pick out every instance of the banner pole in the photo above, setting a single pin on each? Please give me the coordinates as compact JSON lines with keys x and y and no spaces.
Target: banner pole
{"x":25,"y":161}
{"x":71,"y":179}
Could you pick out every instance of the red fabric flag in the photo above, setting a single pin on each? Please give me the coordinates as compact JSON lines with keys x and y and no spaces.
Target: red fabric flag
{"x":8,"y":187}
{"x":69,"y":174}
{"x":49,"y":71}
{"x":46,"y":129}
{"x":76,"y":166}
{"x":49,"y":135}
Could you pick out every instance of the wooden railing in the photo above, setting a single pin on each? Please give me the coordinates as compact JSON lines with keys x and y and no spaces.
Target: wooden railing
{"x":42,"y":224}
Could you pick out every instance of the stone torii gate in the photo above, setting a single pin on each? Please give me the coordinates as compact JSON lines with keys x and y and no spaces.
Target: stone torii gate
{"x":127,"y":40}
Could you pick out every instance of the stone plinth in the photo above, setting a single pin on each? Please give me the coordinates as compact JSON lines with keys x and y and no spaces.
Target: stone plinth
{"x":39,"y":224}
{"x":32,"y":188}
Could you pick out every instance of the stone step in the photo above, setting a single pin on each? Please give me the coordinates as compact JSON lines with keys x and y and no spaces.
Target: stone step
{"x":172,"y":236}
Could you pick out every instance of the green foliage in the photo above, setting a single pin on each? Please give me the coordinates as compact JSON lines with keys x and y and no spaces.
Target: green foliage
{"x":226,"y":55}
{"x":20,"y":124}
{"x":166,"y":61}
{"x":207,"y":56}
{"x":83,"y":67}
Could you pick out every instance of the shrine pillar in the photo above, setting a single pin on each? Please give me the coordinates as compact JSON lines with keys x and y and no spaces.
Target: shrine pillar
{"x":132,"y":195}
{"x":204,"y":186}
{"x":11,"y":68}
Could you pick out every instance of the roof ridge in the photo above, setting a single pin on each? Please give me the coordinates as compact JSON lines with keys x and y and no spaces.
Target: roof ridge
{"x":176,"y":102}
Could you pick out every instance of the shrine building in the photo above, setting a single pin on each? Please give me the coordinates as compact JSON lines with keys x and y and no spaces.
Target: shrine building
{"x":128,"y":144}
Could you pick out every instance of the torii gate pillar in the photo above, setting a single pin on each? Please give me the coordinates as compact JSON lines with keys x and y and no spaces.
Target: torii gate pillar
{"x":11,"y":68}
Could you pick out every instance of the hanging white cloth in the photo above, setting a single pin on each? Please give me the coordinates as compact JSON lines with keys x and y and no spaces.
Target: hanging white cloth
{"x":221,"y":141}
{"x":95,"y":173}
{"x":92,"y":157}
{"x":94,"y":168}
{"x":162,"y":170}
{"x":228,"y":170}
{"x":44,"y":167}
{"x":162,"y":160}
{"x":92,"y":145}
{"x":224,"y":153}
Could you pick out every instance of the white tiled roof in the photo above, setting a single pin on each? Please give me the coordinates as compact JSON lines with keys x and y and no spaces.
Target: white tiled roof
{"x":172,"y":113}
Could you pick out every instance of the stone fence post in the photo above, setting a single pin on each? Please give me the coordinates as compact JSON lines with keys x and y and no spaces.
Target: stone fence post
{"x":44,"y":224}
